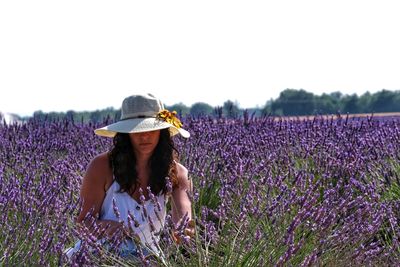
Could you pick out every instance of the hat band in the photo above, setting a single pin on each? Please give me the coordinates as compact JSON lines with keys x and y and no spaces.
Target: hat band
{"x":134,"y":115}
{"x":137,"y":117}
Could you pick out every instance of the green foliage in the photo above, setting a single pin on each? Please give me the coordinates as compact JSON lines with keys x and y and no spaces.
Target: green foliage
{"x":392,"y":192}
{"x":295,"y":102}
{"x":291,"y":102}
{"x":201,"y":109}
{"x":231,"y":109}
{"x":79,"y":116}
{"x":349,"y":104}
{"x":326,"y":104}
{"x":385,"y":101}
{"x":180,"y":108}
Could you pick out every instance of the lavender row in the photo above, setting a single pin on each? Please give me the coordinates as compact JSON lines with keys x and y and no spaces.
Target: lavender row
{"x":267,"y":191}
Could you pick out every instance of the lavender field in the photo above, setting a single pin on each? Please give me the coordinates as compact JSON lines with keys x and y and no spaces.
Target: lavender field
{"x":267,"y":192}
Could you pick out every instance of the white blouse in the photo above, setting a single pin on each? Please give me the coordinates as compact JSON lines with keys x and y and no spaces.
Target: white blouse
{"x":154,"y":214}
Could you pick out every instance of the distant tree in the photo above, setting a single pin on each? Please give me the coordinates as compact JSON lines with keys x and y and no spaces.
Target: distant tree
{"x":385,"y":101}
{"x":218,"y":112}
{"x":70,"y":115}
{"x":326,"y":104}
{"x":85,"y":116}
{"x":117,"y":115}
{"x":39,"y":115}
{"x":267,"y":109}
{"x":201,"y":109}
{"x":294,"y":102}
{"x":253,"y":112}
{"x":349,"y":104}
{"x":336,"y":100}
{"x":396,"y":101}
{"x":364,"y":103}
{"x":180,"y":108}
{"x":110,"y":113}
{"x":95,"y":116}
{"x":231,"y":109}
{"x":336,"y":95}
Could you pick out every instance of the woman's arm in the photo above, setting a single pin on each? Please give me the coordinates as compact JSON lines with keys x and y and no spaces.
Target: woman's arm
{"x":181,"y":204}
{"x":93,"y":192}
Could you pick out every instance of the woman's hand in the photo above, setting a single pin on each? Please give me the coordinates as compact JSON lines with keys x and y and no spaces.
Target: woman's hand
{"x":187,"y":233}
{"x":112,"y":228}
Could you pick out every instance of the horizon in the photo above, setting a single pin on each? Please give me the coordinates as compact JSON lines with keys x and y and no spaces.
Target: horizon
{"x":189,"y":106}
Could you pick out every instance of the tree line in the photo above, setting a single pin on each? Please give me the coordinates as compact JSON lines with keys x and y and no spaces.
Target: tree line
{"x":291,"y":102}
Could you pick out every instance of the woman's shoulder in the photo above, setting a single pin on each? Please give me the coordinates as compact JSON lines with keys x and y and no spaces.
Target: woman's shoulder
{"x":182,"y":175}
{"x":180,"y":169}
{"x":99,"y":169}
{"x":100,"y":162}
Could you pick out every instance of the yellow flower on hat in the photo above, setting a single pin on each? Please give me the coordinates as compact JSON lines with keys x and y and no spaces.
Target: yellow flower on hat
{"x":170,"y":117}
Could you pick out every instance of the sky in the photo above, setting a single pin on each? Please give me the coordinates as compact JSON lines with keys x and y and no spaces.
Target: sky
{"x":89,"y":55}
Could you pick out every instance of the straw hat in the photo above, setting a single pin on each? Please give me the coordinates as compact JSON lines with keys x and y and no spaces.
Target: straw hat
{"x":142,"y":113}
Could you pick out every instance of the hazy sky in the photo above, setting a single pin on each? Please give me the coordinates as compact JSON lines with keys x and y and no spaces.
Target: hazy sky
{"x":87,"y":55}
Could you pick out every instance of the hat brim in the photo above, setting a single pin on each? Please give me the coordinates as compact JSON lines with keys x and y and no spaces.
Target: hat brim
{"x":139,"y":125}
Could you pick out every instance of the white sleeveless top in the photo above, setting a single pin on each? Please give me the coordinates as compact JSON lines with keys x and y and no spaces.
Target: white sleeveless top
{"x":154,"y":214}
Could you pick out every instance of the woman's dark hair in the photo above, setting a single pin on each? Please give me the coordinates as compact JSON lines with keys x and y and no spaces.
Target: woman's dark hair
{"x":123,"y":163}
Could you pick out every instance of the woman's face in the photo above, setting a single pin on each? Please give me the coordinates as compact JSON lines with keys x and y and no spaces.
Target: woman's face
{"x":145,"y":142}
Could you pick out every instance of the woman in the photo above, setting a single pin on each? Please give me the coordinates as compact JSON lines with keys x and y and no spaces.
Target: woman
{"x":126,"y":188}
